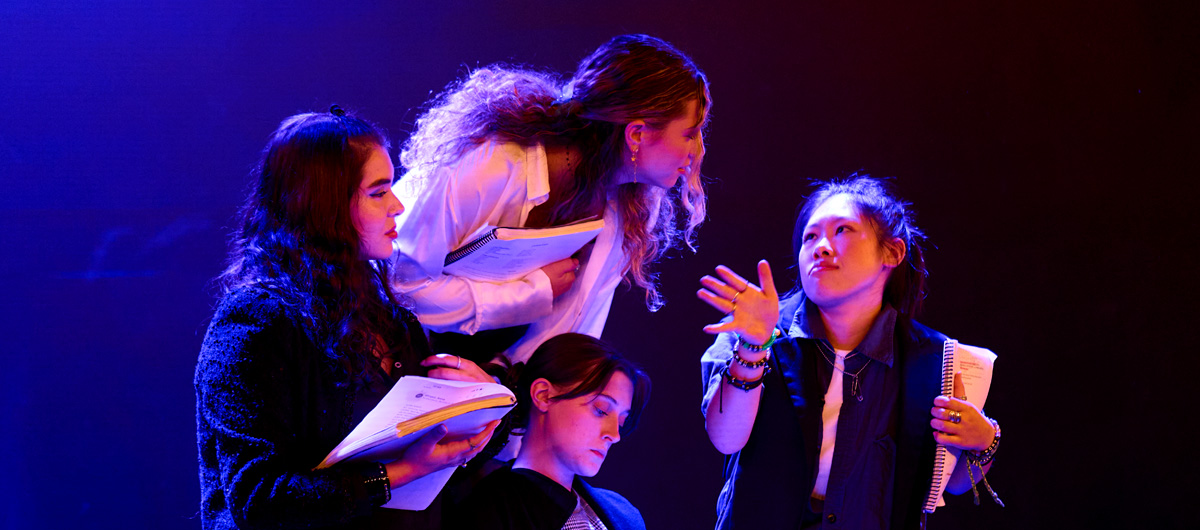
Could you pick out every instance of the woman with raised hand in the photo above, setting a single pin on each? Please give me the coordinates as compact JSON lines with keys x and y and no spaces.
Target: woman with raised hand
{"x":308,"y":338}
{"x":828,"y":402}
{"x":621,"y":140}
{"x":576,"y":398}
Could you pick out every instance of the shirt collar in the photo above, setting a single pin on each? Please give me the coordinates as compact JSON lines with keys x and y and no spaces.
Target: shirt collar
{"x":879,"y":344}
{"x":537,"y":177}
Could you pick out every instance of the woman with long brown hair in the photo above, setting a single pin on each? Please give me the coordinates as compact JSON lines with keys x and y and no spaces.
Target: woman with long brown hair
{"x":308,"y":339}
{"x":621,"y":140}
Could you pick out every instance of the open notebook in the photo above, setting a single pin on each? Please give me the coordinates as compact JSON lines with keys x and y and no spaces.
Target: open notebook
{"x":410,"y":409}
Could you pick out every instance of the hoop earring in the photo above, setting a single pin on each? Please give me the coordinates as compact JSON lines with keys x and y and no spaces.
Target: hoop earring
{"x":634,"y":160}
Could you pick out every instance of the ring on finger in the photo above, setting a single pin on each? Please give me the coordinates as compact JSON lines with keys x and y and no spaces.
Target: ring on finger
{"x":955,"y":416}
{"x":459,"y":366}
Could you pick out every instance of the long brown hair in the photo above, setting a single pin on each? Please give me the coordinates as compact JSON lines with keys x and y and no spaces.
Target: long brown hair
{"x":631,"y":77}
{"x":298,"y":241}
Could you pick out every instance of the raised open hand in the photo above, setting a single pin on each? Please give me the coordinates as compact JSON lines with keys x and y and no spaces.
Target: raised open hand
{"x":754,"y":309}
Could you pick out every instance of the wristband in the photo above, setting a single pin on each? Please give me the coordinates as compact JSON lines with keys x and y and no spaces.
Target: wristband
{"x":739,"y":342}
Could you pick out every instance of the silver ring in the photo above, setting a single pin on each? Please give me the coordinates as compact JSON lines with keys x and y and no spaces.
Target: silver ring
{"x":459,"y":367}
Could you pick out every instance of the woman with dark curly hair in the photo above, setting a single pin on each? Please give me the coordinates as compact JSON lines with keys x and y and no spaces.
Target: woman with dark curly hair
{"x":307,"y":339}
{"x":622,"y":140}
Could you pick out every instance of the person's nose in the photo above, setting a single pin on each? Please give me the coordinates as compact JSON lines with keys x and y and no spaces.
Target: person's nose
{"x":396,"y":207}
{"x":822,"y":249}
{"x":612,"y":432}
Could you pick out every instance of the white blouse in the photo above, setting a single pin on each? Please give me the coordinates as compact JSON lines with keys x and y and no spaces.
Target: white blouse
{"x":496,"y":184}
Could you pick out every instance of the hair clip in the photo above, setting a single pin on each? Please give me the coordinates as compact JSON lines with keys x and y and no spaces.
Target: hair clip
{"x":337,"y":111}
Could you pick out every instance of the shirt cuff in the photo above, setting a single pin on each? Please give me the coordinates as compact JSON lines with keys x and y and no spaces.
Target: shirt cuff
{"x":514,"y":303}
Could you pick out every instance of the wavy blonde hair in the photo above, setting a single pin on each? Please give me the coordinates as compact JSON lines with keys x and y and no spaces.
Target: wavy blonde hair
{"x":631,"y":77}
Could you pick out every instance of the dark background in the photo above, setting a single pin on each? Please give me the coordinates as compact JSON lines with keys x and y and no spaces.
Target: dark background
{"x":1050,"y":148}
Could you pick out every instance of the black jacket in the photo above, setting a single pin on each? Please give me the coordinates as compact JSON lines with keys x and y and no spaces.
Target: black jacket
{"x":270,"y":405}
{"x":523,"y":499}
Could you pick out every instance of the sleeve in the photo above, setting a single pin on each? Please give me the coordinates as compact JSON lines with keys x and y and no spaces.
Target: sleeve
{"x":248,"y":402}
{"x":712,"y":364}
{"x":483,"y":186}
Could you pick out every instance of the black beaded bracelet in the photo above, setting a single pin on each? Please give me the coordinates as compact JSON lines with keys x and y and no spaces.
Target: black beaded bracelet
{"x":739,"y":342}
{"x":377,"y":484}
{"x":742,"y":383}
{"x":751,"y":365}
{"x":984,"y":457}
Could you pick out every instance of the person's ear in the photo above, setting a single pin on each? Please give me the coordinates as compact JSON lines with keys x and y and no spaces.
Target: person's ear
{"x":540,"y":394}
{"x":894,"y":252}
{"x":635,"y":133}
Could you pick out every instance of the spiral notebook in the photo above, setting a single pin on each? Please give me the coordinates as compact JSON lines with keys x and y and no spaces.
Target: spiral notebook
{"x":501,"y":254}
{"x":976,"y":366}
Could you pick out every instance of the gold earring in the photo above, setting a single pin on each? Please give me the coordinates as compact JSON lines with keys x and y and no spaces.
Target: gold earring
{"x":634,"y":160}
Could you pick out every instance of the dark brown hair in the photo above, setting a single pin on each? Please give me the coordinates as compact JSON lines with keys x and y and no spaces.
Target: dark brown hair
{"x":584,"y":365}
{"x":891,"y":219}
{"x":297,"y":238}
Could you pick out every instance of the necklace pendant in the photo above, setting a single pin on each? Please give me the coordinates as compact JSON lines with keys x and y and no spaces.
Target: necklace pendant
{"x":854,"y":389}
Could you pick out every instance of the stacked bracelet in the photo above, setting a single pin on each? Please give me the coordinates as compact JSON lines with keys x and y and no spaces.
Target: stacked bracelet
{"x":378,"y":485}
{"x":752,"y":365}
{"x":742,"y":383}
{"x":983,"y":458}
{"x":739,"y":342}
{"x":980,"y":459}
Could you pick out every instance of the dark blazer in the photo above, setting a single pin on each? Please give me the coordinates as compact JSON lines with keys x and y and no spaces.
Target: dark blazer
{"x":270,"y":405}
{"x":769,"y":480}
{"x":522,"y":499}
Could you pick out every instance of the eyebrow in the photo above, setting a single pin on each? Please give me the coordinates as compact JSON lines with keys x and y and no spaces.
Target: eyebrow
{"x":831,"y":220}
{"x":379,"y":182}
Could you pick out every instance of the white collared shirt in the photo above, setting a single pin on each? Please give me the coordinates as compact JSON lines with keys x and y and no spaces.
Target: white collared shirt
{"x":496,"y":184}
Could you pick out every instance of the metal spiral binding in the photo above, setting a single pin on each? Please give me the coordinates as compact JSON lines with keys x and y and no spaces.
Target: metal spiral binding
{"x":939,"y":459}
{"x":471,"y":247}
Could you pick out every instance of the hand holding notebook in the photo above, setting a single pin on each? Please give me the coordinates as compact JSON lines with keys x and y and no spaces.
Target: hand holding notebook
{"x":500,"y":254}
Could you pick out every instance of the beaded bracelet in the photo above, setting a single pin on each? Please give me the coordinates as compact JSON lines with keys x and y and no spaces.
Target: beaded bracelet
{"x":742,"y":383}
{"x":739,"y":342}
{"x":751,"y":365}
{"x":977,"y":459}
{"x":983,"y":458}
{"x":378,"y":485}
